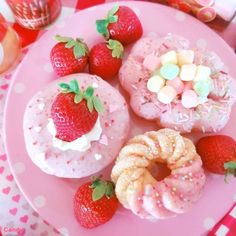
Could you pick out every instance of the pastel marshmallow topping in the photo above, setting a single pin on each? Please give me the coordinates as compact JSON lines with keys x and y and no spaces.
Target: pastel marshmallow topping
{"x":177,"y":84}
{"x":185,"y":57}
{"x":152,"y":62}
{"x":188,"y":72}
{"x":189,"y":99}
{"x":81,"y":144}
{"x":169,"y":57}
{"x":169,"y":71}
{"x":202,"y":87}
{"x":155,"y":83}
{"x":167,"y":94}
{"x":1,"y":54}
{"x":202,"y":73}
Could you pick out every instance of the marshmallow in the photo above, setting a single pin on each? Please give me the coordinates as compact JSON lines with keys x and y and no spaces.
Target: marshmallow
{"x":155,"y":83}
{"x":152,"y":62}
{"x":166,"y":95}
{"x":169,"y":57}
{"x":203,"y":73}
{"x":169,"y":71}
{"x":185,"y":57}
{"x":188,"y":72}
{"x":177,"y":84}
{"x":203,"y":87}
{"x":189,"y":99}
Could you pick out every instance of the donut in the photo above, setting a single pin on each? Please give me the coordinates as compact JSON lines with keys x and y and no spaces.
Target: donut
{"x":140,"y":192}
{"x":182,"y":88}
{"x":9,"y":46}
{"x":89,"y":153}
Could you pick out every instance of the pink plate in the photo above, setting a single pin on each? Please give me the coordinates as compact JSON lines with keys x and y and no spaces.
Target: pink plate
{"x":51,"y":196}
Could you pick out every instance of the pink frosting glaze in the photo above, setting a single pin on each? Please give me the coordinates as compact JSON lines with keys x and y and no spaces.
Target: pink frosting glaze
{"x":174,"y":195}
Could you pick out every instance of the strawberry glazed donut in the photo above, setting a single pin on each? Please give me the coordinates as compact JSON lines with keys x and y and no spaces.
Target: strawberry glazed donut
{"x":178,"y":87}
{"x":140,"y":192}
{"x":77,"y":128}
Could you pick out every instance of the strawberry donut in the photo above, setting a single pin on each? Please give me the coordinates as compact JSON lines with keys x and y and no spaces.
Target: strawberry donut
{"x":75,"y":126}
{"x":181,"y":88}
{"x":140,"y":192}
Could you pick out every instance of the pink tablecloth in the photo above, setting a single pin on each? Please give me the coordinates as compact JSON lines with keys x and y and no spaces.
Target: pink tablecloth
{"x":16,"y":215}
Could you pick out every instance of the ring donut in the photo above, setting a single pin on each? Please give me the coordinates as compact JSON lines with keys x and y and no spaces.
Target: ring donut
{"x":140,"y":192}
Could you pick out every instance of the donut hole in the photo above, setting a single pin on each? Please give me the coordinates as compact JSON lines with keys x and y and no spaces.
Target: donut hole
{"x":159,"y":171}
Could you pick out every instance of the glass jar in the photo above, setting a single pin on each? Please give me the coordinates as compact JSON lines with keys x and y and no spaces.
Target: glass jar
{"x":9,"y":46}
{"x":35,"y":14}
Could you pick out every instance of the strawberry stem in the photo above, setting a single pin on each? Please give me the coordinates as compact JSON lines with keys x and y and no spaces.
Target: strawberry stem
{"x":102,"y":188}
{"x":92,"y":100}
{"x":80,"y":48}
{"x":230,"y":168}
{"x":116,"y":47}
{"x":102,"y":25}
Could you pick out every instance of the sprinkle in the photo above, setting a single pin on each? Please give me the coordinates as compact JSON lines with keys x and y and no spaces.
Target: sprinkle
{"x":37,"y":129}
{"x":174,"y":189}
{"x":112,"y":108}
{"x":104,"y":140}
{"x":41,"y":106}
{"x":190,"y":174}
{"x":98,"y":156}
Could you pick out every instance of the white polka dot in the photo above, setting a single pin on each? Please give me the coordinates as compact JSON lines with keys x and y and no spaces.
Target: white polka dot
{"x":137,"y":11}
{"x":19,"y":168}
{"x":40,"y":201}
{"x":98,"y":156}
{"x":180,"y":16}
{"x":201,"y":43}
{"x":152,"y":34}
{"x":209,"y":223}
{"x":19,"y":88}
{"x":64,"y":231}
{"x":48,"y":68}
{"x":234,"y":197}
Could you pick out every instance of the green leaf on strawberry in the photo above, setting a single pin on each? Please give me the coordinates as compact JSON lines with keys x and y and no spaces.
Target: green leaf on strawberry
{"x":62,"y":39}
{"x":102,"y":25}
{"x":230,"y":168}
{"x":116,"y":47}
{"x":102,"y":188}
{"x":98,"y":104}
{"x":80,"y":48}
{"x":93,"y":102}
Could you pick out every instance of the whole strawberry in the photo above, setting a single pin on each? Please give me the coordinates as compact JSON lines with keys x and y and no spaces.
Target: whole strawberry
{"x":95,"y":203}
{"x":74,"y":112}
{"x":105,"y":59}
{"x":218,"y":153}
{"x":121,"y":24}
{"x":69,"y":56}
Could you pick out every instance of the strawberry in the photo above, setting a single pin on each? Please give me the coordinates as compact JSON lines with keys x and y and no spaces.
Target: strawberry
{"x":218,"y":154}
{"x":121,"y":24}
{"x":69,"y":56}
{"x":74,"y":112}
{"x":105,"y":59}
{"x":95,"y":203}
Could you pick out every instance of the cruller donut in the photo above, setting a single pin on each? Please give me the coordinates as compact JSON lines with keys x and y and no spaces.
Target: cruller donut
{"x":140,"y":192}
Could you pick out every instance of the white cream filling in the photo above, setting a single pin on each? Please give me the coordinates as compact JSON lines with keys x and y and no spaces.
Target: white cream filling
{"x":81,"y":144}
{"x":1,"y":54}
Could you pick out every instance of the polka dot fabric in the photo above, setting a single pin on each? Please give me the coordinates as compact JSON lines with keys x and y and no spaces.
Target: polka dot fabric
{"x":16,"y":215}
